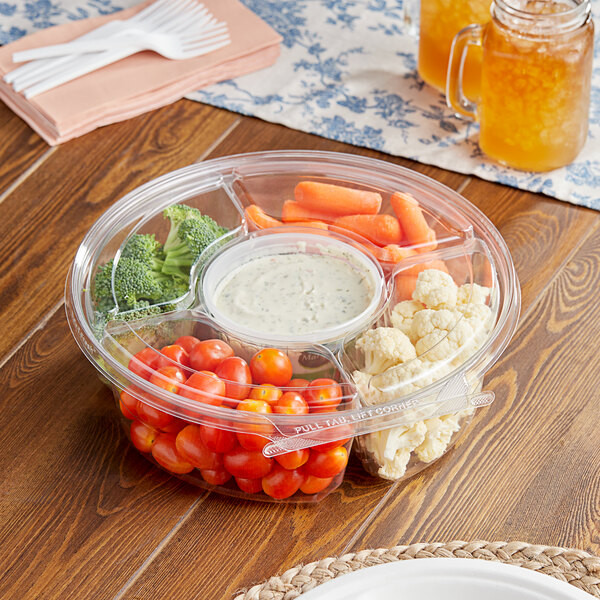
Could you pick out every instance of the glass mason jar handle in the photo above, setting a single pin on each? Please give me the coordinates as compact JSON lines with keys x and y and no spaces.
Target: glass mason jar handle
{"x":455,"y":98}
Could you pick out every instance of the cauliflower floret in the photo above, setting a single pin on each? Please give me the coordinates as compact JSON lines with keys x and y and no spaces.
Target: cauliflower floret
{"x":409,"y":377}
{"x":438,"y":436}
{"x":391,"y":448}
{"x":472,"y":293}
{"x":370,"y":395}
{"x":403,"y":313}
{"x":435,"y":289}
{"x":384,"y":347}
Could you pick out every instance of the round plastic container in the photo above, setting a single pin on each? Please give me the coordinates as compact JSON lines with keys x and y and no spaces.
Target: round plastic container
{"x":403,"y":378}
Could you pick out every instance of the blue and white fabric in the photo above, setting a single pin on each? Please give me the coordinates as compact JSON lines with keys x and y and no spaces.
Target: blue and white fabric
{"x":347,"y":72}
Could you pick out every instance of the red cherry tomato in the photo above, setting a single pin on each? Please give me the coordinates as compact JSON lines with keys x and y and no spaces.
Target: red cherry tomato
{"x":142,"y":436}
{"x":248,"y":464}
{"x":298,"y":384}
{"x":248,"y":439}
{"x":175,"y":426}
{"x":326,"y":464}
{"x":164,"y":452}
{"x":271,"y":366}
{"x":250,"y":486}
{"x":293,"y":459}
{"x":281,"y":483}
{"x":215,"y":476}
{"x":187,"y":342}
{"x":323,"y":395}
{"x":191,"y":448}
{"x":291,"y":403}
{"x":234,"y":371}
{"x":174,"y":355}
{"x":314,"y":485}
{"x":168,"y":378}
{"x":153,"y":416}
{"x":128,"y":404}
{"x":338,"y":431}
{"x":217,"y":439}
{"x":266,"y":392}
{"x":145,"y":362}
{"x":208,"y":354}
{"x":205,"y":387}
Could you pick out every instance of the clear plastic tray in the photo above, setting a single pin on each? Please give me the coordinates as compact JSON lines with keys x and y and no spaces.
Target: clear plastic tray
{"x":403,"y":419}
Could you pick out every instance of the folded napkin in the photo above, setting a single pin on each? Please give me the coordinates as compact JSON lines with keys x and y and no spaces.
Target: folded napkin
{"x":139,"y":83}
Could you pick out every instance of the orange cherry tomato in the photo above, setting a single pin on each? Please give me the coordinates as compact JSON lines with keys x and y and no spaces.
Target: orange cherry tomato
{"x":314,"y":485}
{"x":174,"y":355}
{"x":217,"y":439}
{"x":168,"y":378}
{"x":164,"y":452}
{"x":191,"y":448}
{"x":281,"y":483}
{"x":271,"y":366}
{"x":298,"y":383}
{"x":326,"y":464}
{"x":145,"y":362}
{"x":323,"y":395}
{"x":128,"y":404}
{"x":294,"y":459}
{"x":142,"y":436}
{"x":215,"y":476}
{"x":248,"y":439}
{"x":291,"y":403}
{"x":248,"y":464}
{"x":250,"y":486}
{"x":208,"y":354}
{"x":234,"y":371}
{"x":187,"y":342}
{"x":266,"y":392}
{"x":205,"y":387}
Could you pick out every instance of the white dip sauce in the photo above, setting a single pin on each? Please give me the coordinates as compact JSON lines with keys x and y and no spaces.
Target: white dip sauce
{"x":295,"y":293}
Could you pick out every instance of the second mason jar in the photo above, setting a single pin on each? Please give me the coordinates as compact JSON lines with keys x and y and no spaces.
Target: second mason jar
{"x":535,"y":81}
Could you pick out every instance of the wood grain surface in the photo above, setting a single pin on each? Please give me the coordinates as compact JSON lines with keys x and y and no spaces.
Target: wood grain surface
{"x":83,"y":515}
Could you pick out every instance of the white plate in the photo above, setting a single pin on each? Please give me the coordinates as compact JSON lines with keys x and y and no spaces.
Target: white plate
{"x":445,"y":579}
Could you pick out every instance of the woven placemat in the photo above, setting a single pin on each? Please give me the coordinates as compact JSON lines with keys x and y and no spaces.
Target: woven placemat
{"x":573,"y":566}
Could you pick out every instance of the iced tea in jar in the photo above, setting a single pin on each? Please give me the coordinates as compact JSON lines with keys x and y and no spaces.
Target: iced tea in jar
{"x":535,"y":81}
{"x":440,"y":21}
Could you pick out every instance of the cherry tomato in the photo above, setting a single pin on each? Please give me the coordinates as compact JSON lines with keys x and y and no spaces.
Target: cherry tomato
{"x":323,"y":395}
{"x":314,"y":485}
{"x":208,"y":354}
{"x":326,"y":464}
{"x":248,"y":439}
{"x":250,"y":486}
{"x":128,"y":404}
{"x":337,"y":432}
{"x":217,"y":439}
{"x":175,"y":426}
{"x":236,"y":374}
{"x":281,"y":483}
{"x":142,"y":436}
{"x":205,"y":387}
{"x":174,"y":355}
{"x":187,"y":342}
{"x":298,"y":384}
{"x":291,"y":403}
{"x":191,"y":448}
{"x":168,"y":378}
{"x":215,"y":476}
{"x":164,"y":452}
{"x":293,"y":459}
{"x":266,"y":392}
{"x":153,"y":416}
{"x":248,"y":464}
{"x":145,"y":362}
{"x":271,"y":366}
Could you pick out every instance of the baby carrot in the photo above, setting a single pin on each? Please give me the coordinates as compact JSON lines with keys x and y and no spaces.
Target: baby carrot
{"x":314,"y":224}
{"x":393,"y":253}
{"x":292,"y":211}
{"x":260,"y":218}
{"x":404,"y":286}
{"x":336,"y":199}
{"x":379,"y":229}
{"x":413,"y":223}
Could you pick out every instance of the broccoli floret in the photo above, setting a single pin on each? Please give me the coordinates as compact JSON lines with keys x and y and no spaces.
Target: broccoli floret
{"x":103,"y":295}
{"x":191,"y":233}
{"x":146,"y":249}
{"x":134,"y":282}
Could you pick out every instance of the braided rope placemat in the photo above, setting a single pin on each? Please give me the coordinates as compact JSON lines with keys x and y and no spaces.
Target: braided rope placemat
{"x":573,"y":566}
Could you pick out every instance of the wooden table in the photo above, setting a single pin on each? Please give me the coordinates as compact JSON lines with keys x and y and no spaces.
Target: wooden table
{"x":85,"y":516}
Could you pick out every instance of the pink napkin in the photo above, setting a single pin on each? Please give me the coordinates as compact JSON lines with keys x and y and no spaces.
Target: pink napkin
{"x":139,"y":83}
